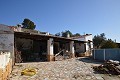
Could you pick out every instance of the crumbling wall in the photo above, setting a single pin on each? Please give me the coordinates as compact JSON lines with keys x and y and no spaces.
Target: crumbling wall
{"x":5,"y":65}
{"x":7,"y":40}
{"x":6,"y":51}
{"x":7,"y":44}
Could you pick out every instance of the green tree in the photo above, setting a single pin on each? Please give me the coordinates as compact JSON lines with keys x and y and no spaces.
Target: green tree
{"x":99,"y":40}
{"x":64,"y":34}
{"x":75,"y":35}
{"x":58,"y":34}
{"x":109,"y":44}
{"x":28,"y":24}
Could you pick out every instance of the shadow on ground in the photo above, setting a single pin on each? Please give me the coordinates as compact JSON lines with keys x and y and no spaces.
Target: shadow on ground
{"x":89,"y":60}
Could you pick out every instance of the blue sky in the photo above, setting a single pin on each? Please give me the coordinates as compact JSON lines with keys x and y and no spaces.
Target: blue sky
{"x":78,"y":16}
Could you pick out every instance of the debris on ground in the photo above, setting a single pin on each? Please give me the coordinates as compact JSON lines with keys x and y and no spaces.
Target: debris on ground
{"x":108,"y":67}
{"x":28,"y":72}
{"x":18,"y":58}
{"x":63,"y":55}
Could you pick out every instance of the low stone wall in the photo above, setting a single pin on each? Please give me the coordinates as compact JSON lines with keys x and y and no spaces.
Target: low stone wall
{"x":5,"y":65}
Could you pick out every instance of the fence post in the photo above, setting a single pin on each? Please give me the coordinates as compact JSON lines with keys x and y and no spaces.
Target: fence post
{"x":104,"y":54}
{"x":94,"y":53}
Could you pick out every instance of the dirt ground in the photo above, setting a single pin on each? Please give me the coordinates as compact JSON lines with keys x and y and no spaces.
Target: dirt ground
{"x":71,"y":69}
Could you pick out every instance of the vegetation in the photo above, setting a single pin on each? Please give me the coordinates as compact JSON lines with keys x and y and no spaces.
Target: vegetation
{"x":58,"y":34}
{"x":28,"y":24}
{"x":77,"y":34}
{"x":64,"y":34}
{"x":100,"y":41}
{"x":109,"y":44}
{"x":67,"y":32}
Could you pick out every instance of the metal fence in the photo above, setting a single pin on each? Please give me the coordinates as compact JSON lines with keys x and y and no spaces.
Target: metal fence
{"x":106,"y":54}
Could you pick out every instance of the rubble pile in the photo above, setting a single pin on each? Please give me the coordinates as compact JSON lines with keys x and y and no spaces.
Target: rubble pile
{"x":109,"y":67}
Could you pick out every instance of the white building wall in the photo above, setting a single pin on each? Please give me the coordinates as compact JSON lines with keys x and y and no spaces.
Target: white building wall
{"x":81,"y":39}
{"x":86,"y":38}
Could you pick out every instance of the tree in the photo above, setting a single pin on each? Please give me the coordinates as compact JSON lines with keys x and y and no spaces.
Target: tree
{"x":99,"y":40}
{"x":58,"y":34}
{"x":64,"y":34}
{"x":109,"y":44}
{"x":75,"y":35}
{"x":28,"y":24}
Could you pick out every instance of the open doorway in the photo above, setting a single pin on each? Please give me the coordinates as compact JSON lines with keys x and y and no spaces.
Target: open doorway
{"x":29,"y":50}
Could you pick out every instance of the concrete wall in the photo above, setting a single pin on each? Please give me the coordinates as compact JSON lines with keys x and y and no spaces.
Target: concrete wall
{"x":5,"y":65}
{"x":106,"y":54}
{"x":7,"y":40}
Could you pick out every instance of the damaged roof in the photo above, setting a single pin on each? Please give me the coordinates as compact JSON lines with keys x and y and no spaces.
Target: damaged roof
{"x":37,"y":36}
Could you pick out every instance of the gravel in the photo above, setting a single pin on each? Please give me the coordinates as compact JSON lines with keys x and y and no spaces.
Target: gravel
{"x":70,"y":69}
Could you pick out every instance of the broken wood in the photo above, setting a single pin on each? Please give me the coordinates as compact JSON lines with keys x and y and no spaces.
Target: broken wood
{"x":62,"y":55}
{"x":109,"y":67}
